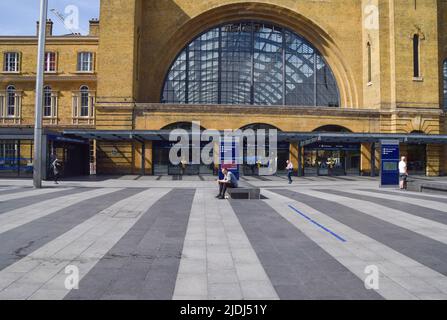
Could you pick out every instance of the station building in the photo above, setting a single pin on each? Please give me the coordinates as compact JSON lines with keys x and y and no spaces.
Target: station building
{"x":333,"y":77}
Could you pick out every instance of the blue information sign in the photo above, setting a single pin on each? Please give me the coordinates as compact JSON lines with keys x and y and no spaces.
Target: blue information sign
{"x":390,"y":163}
{"x":229,"y":153}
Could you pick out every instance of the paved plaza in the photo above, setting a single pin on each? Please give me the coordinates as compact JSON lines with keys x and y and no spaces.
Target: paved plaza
{"x":164,"y":238}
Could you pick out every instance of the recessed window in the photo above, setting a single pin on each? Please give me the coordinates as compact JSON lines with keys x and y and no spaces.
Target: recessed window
{"x":47,"y":102}
{"x":416,"y":56}
{"x":369,"y":63}
{"x":445,"y":82}
{"x":50,"y":61}
{"x":84,"y":101}
{"x":11,"y":101}
{"x":85,"y":61}
{"x":11,"y":62}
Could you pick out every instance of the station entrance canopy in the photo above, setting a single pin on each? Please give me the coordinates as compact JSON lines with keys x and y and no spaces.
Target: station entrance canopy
{"x":303,"y":138}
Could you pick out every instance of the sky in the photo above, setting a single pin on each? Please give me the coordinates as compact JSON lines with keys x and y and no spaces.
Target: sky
{"x":18,"y":17}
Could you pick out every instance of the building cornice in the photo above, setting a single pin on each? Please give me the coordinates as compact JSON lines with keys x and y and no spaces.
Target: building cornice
{"x":32,"y":40}
{"x":286,"y":110}
{"x":50,"y":77}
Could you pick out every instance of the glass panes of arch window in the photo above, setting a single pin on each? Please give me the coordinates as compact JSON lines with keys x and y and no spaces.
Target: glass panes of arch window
{"x":85,"y":61}
{"x":250,"y":63}
{"x":11,"y":62}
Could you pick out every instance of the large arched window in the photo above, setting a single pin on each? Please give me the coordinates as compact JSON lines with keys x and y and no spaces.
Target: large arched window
{"x":250,"y":63}
{"x":444,"y":72}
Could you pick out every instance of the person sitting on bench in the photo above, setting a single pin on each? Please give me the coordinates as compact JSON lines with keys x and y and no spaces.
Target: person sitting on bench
{"x":229,"y":181}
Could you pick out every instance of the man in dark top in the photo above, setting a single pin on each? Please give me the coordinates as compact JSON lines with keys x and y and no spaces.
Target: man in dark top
{"x":57,"y":167}
{"x":229,"y":181}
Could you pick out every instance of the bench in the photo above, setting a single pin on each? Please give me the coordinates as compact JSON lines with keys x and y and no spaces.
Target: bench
{"x":420,"y":185}
{"x":245,"y":191}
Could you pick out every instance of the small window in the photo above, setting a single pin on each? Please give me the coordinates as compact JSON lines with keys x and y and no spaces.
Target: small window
{"x":445,"y":83}
{"x":84,"y":101}
{"x":85,"y":62}
{"x":50,"y":61}
{"x":47,"y":102}
{"x":10,"y":101}
{"x":369,"y":63}
{"x":11,"y":62}
{"x":416,"y":56}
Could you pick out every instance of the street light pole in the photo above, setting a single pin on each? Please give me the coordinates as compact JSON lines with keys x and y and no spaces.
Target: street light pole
{"x":37,"y":167}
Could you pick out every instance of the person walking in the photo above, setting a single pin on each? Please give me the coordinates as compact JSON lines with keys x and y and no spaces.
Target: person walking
{"x":289,"y":169}
{"x":403,"y":174}
{"x":229,"y":181}
{"x":57,"y":166}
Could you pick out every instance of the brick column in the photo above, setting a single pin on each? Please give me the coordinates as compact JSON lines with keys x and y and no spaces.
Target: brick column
{"x":294,"y":154}
{"x":433,"y":160}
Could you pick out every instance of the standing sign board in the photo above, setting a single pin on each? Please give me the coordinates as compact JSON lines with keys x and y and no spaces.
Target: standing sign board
{"x":229,"y":153}
{"x":390,"y":163}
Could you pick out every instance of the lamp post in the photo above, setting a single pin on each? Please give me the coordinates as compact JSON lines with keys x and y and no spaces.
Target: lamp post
{"x":37,"y":167}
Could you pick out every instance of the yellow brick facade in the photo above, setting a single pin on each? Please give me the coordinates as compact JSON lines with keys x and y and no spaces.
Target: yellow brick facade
{"x":137,"y":40}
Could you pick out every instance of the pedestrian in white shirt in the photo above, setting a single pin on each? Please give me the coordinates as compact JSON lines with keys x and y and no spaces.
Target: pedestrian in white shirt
{"x":289,"y":169}
{"x":403,"y":173}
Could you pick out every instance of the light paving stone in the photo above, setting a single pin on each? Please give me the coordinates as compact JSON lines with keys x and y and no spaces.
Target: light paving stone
{"x":225,"y":244}
{"x":21,"y":216}
{"x":191,"y":285}
{"x":222,"y":276}
{"x":224,"y":291}
{"x":97,"y":235}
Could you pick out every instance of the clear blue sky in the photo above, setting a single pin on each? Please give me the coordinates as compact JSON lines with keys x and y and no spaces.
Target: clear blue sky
{"x":18,"y":17}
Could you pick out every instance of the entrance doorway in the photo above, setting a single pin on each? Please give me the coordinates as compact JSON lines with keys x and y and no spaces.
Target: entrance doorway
{"x":326,"y":159}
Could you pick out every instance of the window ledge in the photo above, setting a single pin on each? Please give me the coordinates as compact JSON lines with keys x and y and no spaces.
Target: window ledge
{"x":11,"y":72}
{"x":418,"y":79}
{"x":84,"y":72}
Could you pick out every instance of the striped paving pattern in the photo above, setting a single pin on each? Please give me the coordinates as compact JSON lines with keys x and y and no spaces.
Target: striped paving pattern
{"x":309,"y":241}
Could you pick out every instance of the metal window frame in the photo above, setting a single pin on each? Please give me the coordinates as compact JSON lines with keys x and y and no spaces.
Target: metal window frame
{"x":169,"y":90}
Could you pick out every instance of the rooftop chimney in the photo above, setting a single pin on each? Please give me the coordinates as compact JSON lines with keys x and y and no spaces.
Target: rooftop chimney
{"x":94,"y":28}
{"x":48,"y":28}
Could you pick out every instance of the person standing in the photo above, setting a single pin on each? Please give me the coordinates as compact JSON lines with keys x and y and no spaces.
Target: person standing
{"x":57,"y":166}
{"x":289,"y":169}
{"x":403,"y":173}
{"x":229,"y":181}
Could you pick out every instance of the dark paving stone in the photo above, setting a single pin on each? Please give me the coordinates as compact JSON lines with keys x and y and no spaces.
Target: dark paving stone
{"x":298,"y":254}
{"x":420,"y":211}
{"x":147,"y":256}
{"x":20,"y":242}
{"x":426,"y":251}
{"x":6,"y":206}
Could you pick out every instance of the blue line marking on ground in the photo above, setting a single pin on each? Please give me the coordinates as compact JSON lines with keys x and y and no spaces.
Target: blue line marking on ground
{"x":317,"y":224}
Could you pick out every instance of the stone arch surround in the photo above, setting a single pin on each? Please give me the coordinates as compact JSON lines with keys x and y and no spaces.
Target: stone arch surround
{"x":234,"y":12}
